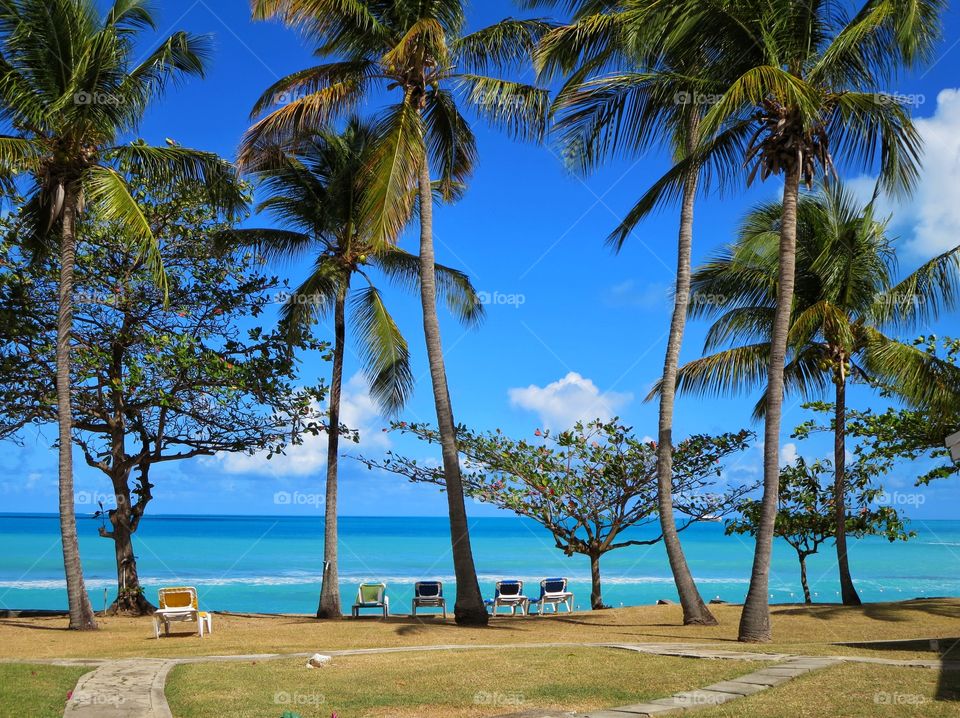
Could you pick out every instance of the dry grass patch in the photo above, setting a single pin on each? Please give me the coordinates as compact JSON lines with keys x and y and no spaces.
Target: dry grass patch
{"x":458,"y":684}
{"x":853,"y":690}
{"x":797,"y":629}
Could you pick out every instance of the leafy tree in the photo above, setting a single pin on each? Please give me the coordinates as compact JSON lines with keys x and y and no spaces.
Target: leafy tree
{"x":315,"y":189}
{"x":72,"y":84}
{"x":159,"y":375}
{"x":845,"y":304}
{"x":586,"y":486}
{"x":417,"y":53}
{"x":893,"y":436}
{"x":807,"y":97}
{"x":805,"y":517}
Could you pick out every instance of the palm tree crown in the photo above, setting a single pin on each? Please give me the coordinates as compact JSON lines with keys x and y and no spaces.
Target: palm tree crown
{"x":846,"y":303}
{"x":418,"y":50}
{"x":315,"y":189}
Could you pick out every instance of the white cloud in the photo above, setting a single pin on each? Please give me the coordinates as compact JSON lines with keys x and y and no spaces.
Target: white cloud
{"x":564,"y":402}
{"x":788,"y":454}
{"x":357,"y":411}
{"x":929,"y":221}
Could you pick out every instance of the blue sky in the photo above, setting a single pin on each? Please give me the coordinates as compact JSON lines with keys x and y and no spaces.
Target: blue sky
{"x":572,"y":329}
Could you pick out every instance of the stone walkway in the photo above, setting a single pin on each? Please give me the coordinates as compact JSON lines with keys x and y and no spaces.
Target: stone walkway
{"x":134,"y":687}
{"x":122,"y":689}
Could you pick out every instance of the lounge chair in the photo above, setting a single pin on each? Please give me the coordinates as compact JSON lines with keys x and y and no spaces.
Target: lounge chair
{"x":428,"y":593}
{"x":179,"y":603}
{"x":372,"y":595}
{"x":508,"y":594}
{"x":553,"y":592}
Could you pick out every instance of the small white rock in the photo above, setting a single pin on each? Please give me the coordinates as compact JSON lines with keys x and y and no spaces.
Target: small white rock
{"x":318,"y":660}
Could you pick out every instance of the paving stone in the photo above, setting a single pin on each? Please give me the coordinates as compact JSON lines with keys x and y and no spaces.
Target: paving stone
{"x":703,"y":698}
{"x":737,"y":687}
{"x":764,"y":679}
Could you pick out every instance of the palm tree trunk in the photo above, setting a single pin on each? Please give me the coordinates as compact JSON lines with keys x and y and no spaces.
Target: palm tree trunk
{"x":596,"y":595}
{"x":848,"y":593}
{"x":803,"y":579}
{"x":81,"y":612}
{"x":695,"y":610}
{"x":468,"y":609}
{"x":755,"y":619}
{"x":329,"y":606}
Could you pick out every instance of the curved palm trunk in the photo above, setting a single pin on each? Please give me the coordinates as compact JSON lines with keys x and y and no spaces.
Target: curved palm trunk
{"x":469,"y":608}
{"x":755,"y":619}
{"x":848,"y":593}
{"x":81,"y":612}
{"x":330,"y":587}
{"x":695,"y":610}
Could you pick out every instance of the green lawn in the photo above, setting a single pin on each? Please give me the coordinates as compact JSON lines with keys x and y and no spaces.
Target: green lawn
{"x":36,"y":691}
{"x":463,"y":684}
{"x":854,"y":690}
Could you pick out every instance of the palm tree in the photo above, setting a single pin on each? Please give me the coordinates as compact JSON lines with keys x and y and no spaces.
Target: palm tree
{"x":807,"y":91}
{"x":622,"y":94}
{"x":69,"y":91}
{"x":845,"y":300}
{"x":417,"y":50}
{"x":315,"y":189}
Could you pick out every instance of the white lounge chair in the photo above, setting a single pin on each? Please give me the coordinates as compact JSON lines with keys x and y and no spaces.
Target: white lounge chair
{"x":372,"y":595}
{"x":428,"y":593}
{"x":553,"y":592}
{"x":508,"y":594}
{"x":179,"y":603}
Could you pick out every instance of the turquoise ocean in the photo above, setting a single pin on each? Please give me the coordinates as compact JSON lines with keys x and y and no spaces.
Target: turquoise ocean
{"x":273,"y":564}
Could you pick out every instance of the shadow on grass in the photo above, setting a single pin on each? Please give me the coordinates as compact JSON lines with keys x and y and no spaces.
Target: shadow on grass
{"x":890,"y":612}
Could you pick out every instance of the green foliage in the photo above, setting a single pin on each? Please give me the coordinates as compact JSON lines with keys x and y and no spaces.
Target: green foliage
{"x":893,"y":437}
{"x":70,"y":109}
{"x":419,"y":53}
{"x":158,"y":375}
{"x":315,"y":187}
{"x":846,"y":303}
{"x":805,"y":515}
{"x":587,"y":485}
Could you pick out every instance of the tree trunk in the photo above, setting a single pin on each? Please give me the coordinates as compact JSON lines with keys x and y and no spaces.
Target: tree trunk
{"x":803,"y":579}
{"x":695,"y":610}
{"x":329,"y":606}
{"x":596,"y":597}
{"x":755,"y":619}
{"x":130,"y":600}
{"x":468,"y":609}
{"x":848,"y":593}
{"x":81,"y":612}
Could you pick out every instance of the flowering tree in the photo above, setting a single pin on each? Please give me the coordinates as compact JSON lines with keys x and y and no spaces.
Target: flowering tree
{"x":586,"y":486}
